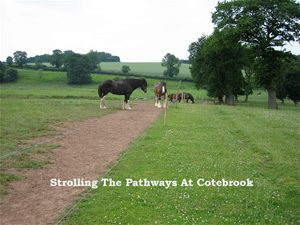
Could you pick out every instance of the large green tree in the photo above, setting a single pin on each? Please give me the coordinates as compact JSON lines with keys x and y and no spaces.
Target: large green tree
{"x":94,"y":58}
{"x":57,"y":58}
{"x":172,"y":63}
{"x":288,"y":83}
{"x":262,"y":25}
{"x":217,"y":61}
{"x":79,"y":69}
{"x":20,"y":58}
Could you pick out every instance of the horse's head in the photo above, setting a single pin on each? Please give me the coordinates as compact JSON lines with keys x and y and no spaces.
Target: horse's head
{"x":144,"y":85}
{"x":189,"y":96}
{"x":163,"y":87}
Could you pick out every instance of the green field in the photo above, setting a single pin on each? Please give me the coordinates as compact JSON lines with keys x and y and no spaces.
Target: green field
{"x":153,"y":68}
{"x":199,"y":142}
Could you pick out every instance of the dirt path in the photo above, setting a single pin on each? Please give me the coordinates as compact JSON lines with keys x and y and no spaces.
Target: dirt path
{"x":84,"y":154}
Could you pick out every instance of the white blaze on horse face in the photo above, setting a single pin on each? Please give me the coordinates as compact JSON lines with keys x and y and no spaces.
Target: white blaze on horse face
{"x":163,"y":89}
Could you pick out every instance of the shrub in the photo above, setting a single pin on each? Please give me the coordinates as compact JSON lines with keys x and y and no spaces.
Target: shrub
{"x":10,"y":75}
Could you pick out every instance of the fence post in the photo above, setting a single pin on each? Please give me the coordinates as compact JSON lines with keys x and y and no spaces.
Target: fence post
{"x":176,"y":96}
{"x":166,"y":107}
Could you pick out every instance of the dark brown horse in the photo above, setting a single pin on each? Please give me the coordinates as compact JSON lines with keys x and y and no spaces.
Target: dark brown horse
{"x":125,"y":87}
{"x":159,"y":90}
{"x":190,"y":97}
{"x":186,"y":96}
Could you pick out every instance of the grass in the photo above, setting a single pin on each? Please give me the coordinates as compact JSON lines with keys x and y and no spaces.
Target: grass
{"x":153,"y":68}
{"x":209,"y":142}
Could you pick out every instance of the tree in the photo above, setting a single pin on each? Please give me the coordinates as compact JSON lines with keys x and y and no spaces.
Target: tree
{"x":3,"y":67}
{"x":262,"y":25}
{"x":288,"y":83}
{"x":56,"y":59}
{"x":197,"y":59}
{"x":20,"y":58}
{"x":94,"y":58}
{"x":38,"y":62}
{"x":249,"y":71}
{"x":172,"y":63}
{"x":78,"y":69}
{"x":9,"y":61}
{"x":125,"y":69}
{"x":40,"y":73}
{"x":10,"y":75}
{"x":217,"y":62}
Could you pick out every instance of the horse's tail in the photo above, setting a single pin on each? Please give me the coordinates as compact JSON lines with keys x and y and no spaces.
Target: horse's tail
{"x":99,"y":91}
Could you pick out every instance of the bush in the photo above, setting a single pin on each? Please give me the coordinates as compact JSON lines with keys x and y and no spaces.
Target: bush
{"x":79,"y":68}
{"x":10,"y":75}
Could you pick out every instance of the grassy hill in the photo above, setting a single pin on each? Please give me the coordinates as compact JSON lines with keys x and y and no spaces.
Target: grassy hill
{"x":147,"y":68}
{"x":153,"y":68}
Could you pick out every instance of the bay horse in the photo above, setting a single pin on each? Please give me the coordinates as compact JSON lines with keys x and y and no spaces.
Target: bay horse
{"x":186,"y":96}
{"x":159,"y":90}
{"x":125,"y":87}
{"x":171,"y":97}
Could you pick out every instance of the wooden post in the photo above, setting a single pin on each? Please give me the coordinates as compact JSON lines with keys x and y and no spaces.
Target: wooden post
{"x":176,"y":97}
{"x":182,"y":99}
{"x":166,"y":107}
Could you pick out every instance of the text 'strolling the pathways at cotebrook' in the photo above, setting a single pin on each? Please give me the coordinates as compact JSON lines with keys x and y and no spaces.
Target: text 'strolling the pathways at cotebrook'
{"x":105,"y":182}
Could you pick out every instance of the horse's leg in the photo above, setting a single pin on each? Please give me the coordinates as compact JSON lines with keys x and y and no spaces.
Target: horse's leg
{"x":102,"y":103}
{"x":155,"y":101}
{"x":158,"y":105}
{"x":127,"y":102}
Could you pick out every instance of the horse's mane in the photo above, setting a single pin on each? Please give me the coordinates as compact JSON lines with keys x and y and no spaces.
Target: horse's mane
{"x":134,"y":82}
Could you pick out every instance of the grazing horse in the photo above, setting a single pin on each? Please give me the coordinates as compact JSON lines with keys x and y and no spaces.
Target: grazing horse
{"x":186,"y":96}
{"x":190,"y":97}
{"x":125,"y":87}
{"x":259,"y":93}
{"x":159,"y":90}
{"x":171,"y":97}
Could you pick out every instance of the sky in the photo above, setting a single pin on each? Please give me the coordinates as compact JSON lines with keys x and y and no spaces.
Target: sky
{"x":134,"y":30}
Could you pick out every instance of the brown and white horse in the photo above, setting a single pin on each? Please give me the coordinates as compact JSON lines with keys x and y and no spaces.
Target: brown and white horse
{"x":159,"y":90}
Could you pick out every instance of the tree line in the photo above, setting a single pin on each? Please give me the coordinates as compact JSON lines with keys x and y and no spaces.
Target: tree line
{"x":241,"y":51}
{"x":78,"y":66}
{"x":57,"y":58}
